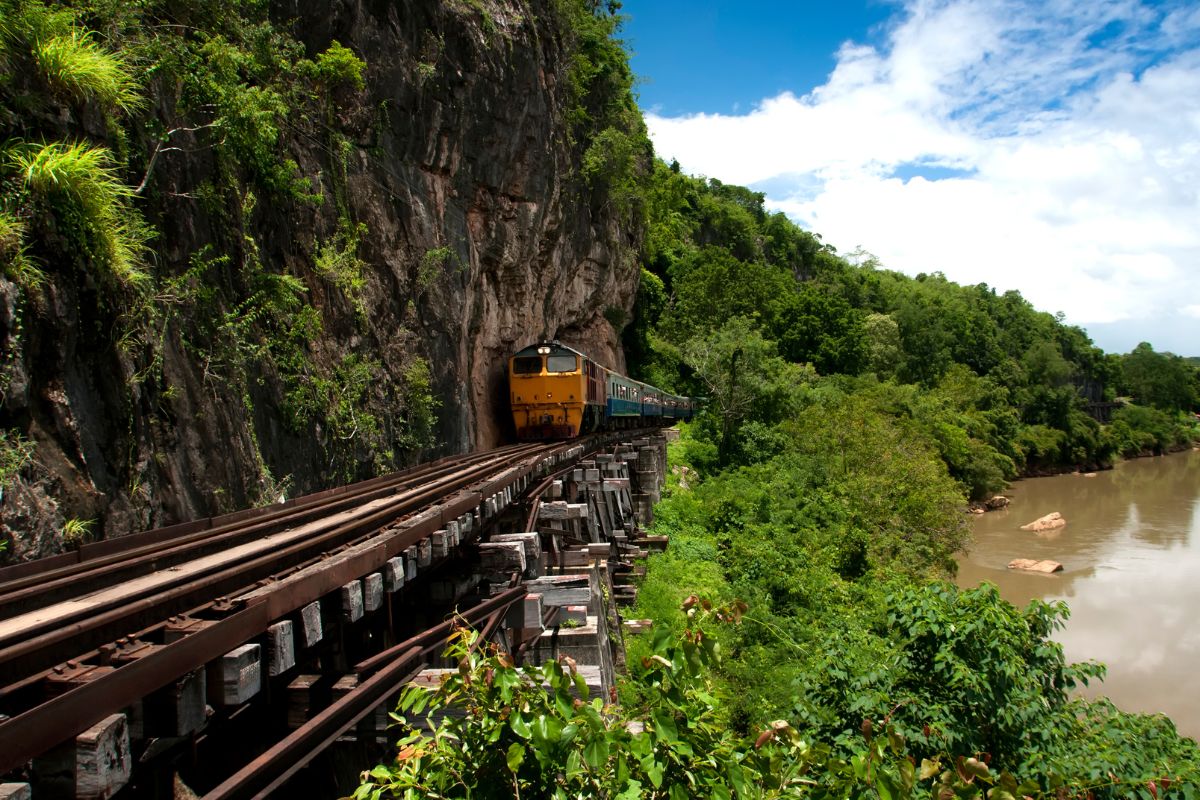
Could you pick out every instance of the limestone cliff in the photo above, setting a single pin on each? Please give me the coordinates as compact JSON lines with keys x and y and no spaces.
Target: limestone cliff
{"x":281,"y":345}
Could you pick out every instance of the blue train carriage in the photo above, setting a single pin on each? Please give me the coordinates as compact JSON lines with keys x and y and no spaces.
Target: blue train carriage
{"x":556,"y":392}
{"x":624,"y":406}
{"x":652,"y":406}
{"x":675,"y":407}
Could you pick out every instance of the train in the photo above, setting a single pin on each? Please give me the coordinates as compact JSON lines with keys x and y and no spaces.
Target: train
{"x":557,"y":392}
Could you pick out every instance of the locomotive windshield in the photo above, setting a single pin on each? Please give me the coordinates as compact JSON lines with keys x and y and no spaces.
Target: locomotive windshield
{"x":561,"y":363}
{"x":527,"y":365}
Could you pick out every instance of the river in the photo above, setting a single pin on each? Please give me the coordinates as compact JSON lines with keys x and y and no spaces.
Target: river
{"x":1131,"y":574}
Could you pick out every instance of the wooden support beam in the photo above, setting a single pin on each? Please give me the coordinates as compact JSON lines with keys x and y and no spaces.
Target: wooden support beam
{"x":311,"y":629}
{"x":562,"y":510}
{"x":94,"y":766}
{"x":393,"y":574}
{"x":440,"y":543}
{"x":235,"y":677}
{"x":175,"y":710}
{"x":300,"y":699}
{"x":502,"y":558}
{"x":527,"y":614}
{"x":530,"y":541}
{"x":281,"y":647}
{"x":561,"y":590}
{"x":352,"y":601}
{"x":373,"y":591}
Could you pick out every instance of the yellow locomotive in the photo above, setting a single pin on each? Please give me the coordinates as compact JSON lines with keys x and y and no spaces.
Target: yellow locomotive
{"x":557,"y":392}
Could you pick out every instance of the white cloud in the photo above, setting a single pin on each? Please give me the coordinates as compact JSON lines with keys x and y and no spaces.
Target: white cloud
{"x":1077,"y":127}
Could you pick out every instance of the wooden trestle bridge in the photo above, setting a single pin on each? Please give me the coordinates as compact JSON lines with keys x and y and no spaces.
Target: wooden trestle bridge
{"x":238,"y":649}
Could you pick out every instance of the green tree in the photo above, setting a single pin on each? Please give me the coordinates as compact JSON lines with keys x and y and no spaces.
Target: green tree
{"x":743,"y":380}
{"x":1162,"y":380}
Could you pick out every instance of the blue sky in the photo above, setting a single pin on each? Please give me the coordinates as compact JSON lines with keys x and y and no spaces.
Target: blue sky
{"x":1048,"y":146}
{"x":725,"y":56}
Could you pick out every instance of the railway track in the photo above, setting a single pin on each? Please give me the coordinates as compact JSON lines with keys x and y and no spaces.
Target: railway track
{"x":92,"y":623}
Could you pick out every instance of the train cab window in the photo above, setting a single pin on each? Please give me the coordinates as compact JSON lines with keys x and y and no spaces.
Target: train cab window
{"x":561,"y":363}
{"x":527,"y":365}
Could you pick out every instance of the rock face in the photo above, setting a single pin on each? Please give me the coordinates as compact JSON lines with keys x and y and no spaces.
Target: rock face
{"x":1049,"y":522}
{"x":480,"y":237}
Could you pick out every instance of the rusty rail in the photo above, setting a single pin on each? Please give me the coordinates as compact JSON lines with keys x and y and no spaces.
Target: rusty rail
{"x":38,"y":646}
{"x":34,"y":731}
{"x":136,"y":558}
{"x":311,"y":569}
{"x":395,"y":667}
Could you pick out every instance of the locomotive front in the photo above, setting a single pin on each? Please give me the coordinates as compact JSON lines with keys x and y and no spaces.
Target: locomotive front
{"x":547,"y":386}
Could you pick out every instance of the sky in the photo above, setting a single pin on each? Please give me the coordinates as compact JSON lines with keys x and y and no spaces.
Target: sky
{"x":1047,"y":146}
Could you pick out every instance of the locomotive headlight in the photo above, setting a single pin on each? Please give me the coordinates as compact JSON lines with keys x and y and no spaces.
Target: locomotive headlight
{"x":543,"y":350}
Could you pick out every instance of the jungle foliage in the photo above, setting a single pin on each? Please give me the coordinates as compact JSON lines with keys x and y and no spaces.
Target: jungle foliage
{"x":850,"y":412}
{"x":1000,"y":388}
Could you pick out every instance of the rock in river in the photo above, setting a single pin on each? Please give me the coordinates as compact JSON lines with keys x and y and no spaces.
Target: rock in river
{"x":1046,"y":523}
{"x":1033,"y":565}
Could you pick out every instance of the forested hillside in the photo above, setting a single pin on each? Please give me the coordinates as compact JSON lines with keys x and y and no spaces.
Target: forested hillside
{"x":852,"y":412}
{"x":999,"y":388}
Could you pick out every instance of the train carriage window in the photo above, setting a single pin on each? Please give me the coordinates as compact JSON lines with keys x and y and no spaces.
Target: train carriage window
{"x":561,"y":364}
{"x":527,"y":365}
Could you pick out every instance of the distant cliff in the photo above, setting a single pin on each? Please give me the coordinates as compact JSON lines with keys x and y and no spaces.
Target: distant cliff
{"x":352,"y":212}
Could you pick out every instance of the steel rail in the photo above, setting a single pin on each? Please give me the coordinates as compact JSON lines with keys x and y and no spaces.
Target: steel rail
{"x":96,"y":550}
{"x":269,"y":771}
{"x":37,"y":646}
{"x":37,"y":729}
{"x":73,"y":579}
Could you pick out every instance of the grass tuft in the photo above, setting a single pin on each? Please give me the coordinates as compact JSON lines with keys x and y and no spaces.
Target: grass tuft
{"x":84,"y":176}
{"x":77,"y":65}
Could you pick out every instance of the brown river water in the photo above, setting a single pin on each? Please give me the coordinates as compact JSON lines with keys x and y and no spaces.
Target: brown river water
{"x":1131,"y":574}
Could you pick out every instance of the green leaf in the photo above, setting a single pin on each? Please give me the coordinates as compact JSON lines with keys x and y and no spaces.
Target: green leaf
{"x":928,"y":769}
{"x":574,"y":764}
{"x":516,"y":755}
{"x":519,"y":726}
{"x":595,"y":753}
{"x":654,"y":771}
{"x":884,"y":786}
{"x":664,"y":726}
{"x":632,"y":792}
{"x":737,"y":777}
{"x":581,"y":686}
